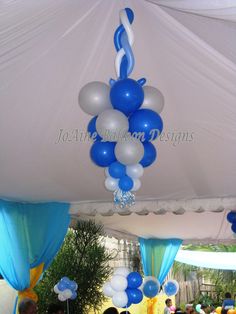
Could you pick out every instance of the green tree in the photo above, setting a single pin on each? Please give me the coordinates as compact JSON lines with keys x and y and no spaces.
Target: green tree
{"x":84,"y":259}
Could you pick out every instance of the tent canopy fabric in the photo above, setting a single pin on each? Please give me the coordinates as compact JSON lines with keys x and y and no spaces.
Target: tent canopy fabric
{"x":187,"y":49}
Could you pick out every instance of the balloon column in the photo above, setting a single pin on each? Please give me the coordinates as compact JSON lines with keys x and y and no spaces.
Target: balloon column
{"x":124,"y":288}
{"x":231,"y":217}
{"x":125,"y":120}
{"x":66,"y":289}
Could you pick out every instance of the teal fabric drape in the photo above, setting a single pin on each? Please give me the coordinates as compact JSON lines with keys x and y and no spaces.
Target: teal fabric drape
{"x":30,"y":234}
{"x":158,"y":256}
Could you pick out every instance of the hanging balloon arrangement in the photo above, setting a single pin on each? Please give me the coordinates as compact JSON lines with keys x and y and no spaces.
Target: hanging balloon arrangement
{"x":124,"y":288}
{"x":126,"y":120}
{"x":66,"y":290}
{"x":231,"y":217}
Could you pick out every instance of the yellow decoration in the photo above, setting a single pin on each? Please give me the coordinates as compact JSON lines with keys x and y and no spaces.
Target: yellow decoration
{"x":35,"y":274}
{"x":151,"y":303}
{"x":231,"y":311}
{"x":218,"y":310}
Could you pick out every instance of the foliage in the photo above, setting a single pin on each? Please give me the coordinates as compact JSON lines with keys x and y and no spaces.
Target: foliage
{"x":223,"y":280}
{"x":82,"y":258}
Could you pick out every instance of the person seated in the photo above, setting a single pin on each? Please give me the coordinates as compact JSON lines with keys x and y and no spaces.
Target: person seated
{"x":55,"y":309}
{"x":228,"y":303}
{"x":111,"y":310}
{"x":27,"y":306}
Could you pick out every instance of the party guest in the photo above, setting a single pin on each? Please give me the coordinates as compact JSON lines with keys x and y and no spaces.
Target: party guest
{"x":168,"y":303}
{"x":27,"y":306}
{"x":111,"y":310}
{"x":55,"y":309}
{"x":228,"y":303}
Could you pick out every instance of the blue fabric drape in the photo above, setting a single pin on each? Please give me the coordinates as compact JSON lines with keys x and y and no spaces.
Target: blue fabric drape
{"x":158,"y":256}
{"x":30,"y":234}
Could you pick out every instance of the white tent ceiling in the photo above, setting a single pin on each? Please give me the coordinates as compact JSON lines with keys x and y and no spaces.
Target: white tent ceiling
{"x":50,"y":49}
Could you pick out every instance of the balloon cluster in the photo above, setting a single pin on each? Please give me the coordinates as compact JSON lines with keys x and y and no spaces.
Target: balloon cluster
{"x":171,"y":287}
{"x":124,"y":288}
{"x":126,"y":120}
{"x":231,"y":217}
{"x":66,"y":289}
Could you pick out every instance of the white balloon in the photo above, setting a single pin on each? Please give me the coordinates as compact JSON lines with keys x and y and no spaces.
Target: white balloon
{"x":112,"y":125}
{"x":129,"y":151}
{"x":134,"y":171}
{"x":111,"y":184}
{"x":61,"y":297}
{"x":122,"y":271}
{"x":56,"y":290}
{"x":107,"y":174}
{"x":137,"y":185}
{"x":119,"y":283}
{"x":153,"y":99}
{"x":120,"y":299}
{"x":94,"y":98}
{"x":107,"y":290}
{"x":67,"y":293}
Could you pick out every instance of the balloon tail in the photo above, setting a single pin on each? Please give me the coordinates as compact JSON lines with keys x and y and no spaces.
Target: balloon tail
{"x":123,"y":199}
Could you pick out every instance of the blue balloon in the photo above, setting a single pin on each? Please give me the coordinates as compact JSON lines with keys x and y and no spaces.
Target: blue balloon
{"x":102,"y":153}
{"x":135,"y":296}
{"x":92,"y":129}
{"x":134,"y":280}
{"x":74,"y":296}
{"x":233,"y":227}
{"x":126,"y":183}
{"x":150,"y":289}
{"x":146,"y":122}
{"x":170,"y":288}
{"x":231,"y":217}
{"x":73,"y":286}
{"x":126,"y":95}
{"x":62,"y":286}
{"x":117,"y":170}
{"x":149,"y":154}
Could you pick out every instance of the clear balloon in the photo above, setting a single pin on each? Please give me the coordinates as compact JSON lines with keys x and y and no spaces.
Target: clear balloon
{"x":120,"y":299}
{"x":108,"y":291}
{"x":134,"y":171}
{"x":123,"y":271}
{"x":94,"y":98}
{"x":150,"y":288}
{"x":171,"y":287}
{"x":111,"y":184}
{"x":137,"y":185}
{"x":129,"y":151}
{"x":153,"y":99}
{"x":119,"y":283}
{"x":112,"y":125}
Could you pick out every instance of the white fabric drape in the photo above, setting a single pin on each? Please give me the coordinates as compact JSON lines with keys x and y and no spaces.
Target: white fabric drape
{"x":214,"y":260}
{"x":50,"y":49}
{"x":221,"y":9}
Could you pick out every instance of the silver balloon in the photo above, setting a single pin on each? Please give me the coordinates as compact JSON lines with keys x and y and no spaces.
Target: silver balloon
{"x":135,"y":171}
{"x":94,"y":98}
{"x":112,"y":125}
{"x":129,"y":151}
{"x":153,"y":99}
